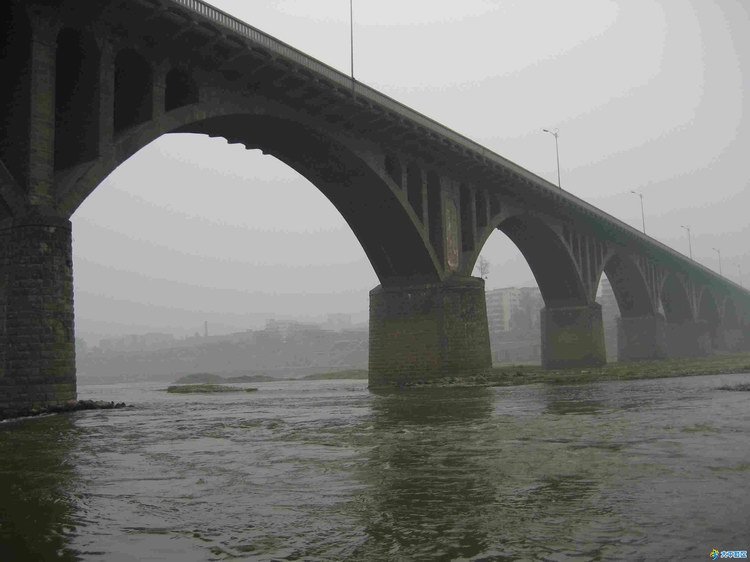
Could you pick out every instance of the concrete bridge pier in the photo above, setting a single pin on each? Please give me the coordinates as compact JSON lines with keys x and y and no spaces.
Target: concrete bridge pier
{"x":688,"y":339}
{"x":37,"y":367}
{"x":727,"y":338}
{"x":641,"y":338}
{"x":572,"y":336}
{"x":428,"y":331}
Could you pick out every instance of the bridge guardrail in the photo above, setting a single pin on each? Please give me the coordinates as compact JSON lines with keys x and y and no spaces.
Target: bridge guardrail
{"x":287,"y":51}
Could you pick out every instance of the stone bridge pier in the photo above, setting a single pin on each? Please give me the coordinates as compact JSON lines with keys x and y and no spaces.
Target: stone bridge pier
{"x":427,"y":331}
{"x":572,"y":337}
{"x":36,"y":296}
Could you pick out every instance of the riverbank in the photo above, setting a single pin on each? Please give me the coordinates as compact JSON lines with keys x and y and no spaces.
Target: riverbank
{"x":516,"y":375}
{"x":664,"y":368}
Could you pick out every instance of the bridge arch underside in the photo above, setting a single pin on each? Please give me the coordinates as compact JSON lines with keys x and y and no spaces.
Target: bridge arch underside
{"x":684,"y":335}
{"x":378,"y":218}
{"x":675,"y":301}
{"x":572,"y":333}
{"x":549,"y":259}
{"x":640,"y":328}
{"x":629,"y":287}
{"x":708,"y":309}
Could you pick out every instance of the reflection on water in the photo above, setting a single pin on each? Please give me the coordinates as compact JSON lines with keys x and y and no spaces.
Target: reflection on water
{"x":327,"y":470}
{"x":35,"y":502}
{"x":427,"y":493}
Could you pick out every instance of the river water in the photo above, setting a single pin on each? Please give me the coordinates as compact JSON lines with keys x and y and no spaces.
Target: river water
{"x":326,"y":470}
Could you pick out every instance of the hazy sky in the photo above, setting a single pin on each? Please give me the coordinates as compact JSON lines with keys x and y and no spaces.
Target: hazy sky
{"x":647,"y":95}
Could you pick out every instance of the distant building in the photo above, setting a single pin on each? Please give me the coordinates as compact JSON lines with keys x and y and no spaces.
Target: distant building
{"x":513,"y":320}
{"x":513,"y":309}
{"x":137,"y":342}
{"x":338,"y":322}
{"x":500,"y":304}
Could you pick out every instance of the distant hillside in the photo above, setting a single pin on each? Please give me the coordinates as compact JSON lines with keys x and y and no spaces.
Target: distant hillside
{"x":265,"y":353}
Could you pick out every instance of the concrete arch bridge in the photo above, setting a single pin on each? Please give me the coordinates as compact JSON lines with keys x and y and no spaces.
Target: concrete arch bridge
{"x":87,"y":84}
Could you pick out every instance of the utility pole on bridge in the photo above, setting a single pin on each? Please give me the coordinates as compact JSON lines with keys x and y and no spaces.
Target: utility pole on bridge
{"x":351,"y":33}
{"x":643,"y":216}
{"x":555,"y":133}
{"x":690,"y":243}
{"x":718,"y":252}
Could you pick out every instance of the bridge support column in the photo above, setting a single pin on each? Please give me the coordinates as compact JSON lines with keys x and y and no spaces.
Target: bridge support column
{"x":727,"y":338}
{"x":641,"y":338}
{"x":688,"y":339}
{"x":428,"y":331}
{"x":572,"y":337}
{"x":37,"y":368}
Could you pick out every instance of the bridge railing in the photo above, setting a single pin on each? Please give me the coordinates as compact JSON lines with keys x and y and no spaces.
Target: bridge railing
{"x":347,"y":83}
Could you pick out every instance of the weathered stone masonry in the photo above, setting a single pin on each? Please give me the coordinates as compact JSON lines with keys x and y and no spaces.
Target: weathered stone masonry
{"x":423,"y":332}
{"x":36,"y":291}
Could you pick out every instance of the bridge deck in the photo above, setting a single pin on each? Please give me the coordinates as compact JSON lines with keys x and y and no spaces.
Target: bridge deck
{"x":381,"y":102}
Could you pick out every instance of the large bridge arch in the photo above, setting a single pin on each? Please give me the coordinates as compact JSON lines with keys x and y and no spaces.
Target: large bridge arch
{"x":364,"y":195}
{"x":637,"y":330}
{"x":547,"y":255}
{"x":708,"y":308}
{"x":570,"y":322}
{"x":675,"y":300}
{"x":629,"y":286}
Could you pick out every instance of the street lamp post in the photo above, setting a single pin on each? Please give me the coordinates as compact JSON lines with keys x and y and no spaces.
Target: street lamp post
{"x":719,"y":253}
{"x":554,"y":133}
{"x":739,"y":271}
{"x":643,"y":216}
{"x":351,"y":33}
{"x":690,"y":243}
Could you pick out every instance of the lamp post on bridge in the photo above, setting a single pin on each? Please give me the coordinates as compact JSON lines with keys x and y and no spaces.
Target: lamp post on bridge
{"x":690,"y":243}
{"x":554,"y":133}
{"x":739,"y":272}
{"x":643,"y":216}
{"x":351,"y":33}
{"x":719,"y":253}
